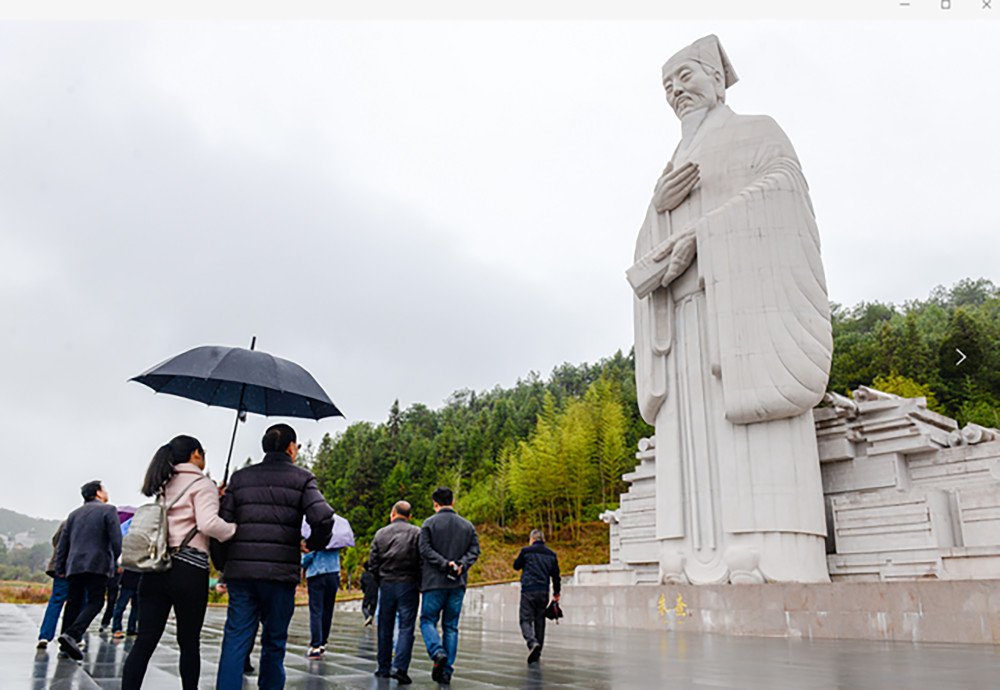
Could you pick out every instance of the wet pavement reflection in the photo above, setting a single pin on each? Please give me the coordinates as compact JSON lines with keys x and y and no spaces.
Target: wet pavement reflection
{"x":574,"y":657}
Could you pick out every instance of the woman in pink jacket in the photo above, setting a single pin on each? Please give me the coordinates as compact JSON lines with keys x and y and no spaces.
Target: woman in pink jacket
{"x":176,"y":471}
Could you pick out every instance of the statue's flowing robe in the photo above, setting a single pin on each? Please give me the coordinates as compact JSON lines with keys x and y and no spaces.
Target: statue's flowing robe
{"x":732,"y":356}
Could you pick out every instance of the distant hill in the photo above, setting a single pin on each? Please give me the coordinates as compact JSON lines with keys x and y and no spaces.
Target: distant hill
{"x":13,"y":524}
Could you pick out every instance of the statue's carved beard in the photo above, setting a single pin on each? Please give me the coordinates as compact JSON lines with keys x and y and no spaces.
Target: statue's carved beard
{"x":690,"y":124}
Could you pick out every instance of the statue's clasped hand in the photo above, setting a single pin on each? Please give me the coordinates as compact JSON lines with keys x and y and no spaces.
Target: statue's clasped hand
{"x":674,"y":186}
{"x":682,"y":251}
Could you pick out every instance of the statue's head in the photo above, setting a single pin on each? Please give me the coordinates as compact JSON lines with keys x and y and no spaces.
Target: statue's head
{"x":698,"y":76}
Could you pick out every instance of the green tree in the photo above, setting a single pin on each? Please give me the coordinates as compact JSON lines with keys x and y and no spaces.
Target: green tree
{"x":907,"y":388}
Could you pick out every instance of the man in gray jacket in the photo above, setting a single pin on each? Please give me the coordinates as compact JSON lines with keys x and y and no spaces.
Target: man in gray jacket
{"x":87,"y":555}
{"x":394,"y":560}
{"x":449,"y":546}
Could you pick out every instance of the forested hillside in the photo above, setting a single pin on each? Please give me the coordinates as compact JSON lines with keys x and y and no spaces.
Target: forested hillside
{"x":552,"y":452}
{"x":12,"y":523}
{"x":912,"y":350}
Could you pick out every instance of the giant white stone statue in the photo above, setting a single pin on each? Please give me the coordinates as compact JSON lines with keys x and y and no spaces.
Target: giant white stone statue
{"x":732,"y":341}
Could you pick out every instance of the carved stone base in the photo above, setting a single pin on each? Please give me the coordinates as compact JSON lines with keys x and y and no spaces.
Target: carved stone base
{"x":672,"y":569}
{"x":743,"y":564}
{"x":747,"y":558}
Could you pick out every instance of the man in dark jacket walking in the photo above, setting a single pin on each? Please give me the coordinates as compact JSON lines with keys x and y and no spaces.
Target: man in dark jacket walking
{"x":267,"y":502}
{"x":87,"y":555}
{"x":449,"y":546}
{"x":394,"y":560}
{"x":538,"y":564}
{"x":369,"y":588}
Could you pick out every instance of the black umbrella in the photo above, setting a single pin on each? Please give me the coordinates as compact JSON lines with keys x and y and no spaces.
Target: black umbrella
{"x":242,"y":380}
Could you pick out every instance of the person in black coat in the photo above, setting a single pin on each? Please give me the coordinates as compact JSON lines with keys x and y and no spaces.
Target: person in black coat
{"x":262,"y":561}
{"x":449,"y":546}
{"x":369,"y":588}
{"x":538,"y":564}
{"x":86,"y":556}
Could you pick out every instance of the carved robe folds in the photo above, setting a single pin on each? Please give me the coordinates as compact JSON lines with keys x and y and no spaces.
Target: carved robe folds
{"x":730,"y":360}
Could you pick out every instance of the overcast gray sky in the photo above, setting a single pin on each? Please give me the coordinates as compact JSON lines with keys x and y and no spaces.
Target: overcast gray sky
{"x":407,"y":209}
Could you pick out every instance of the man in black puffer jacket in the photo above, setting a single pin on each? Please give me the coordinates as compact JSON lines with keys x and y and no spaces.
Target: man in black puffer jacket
{"x":538,"y":564}
{"x":267,"y":502}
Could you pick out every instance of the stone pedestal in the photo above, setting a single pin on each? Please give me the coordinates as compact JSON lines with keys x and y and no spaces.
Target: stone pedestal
{"x":908,"y":494}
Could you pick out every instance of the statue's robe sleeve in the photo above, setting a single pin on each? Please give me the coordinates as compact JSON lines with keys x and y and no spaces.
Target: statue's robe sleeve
{"x":759,"y":255}
{"x":652,"y":321}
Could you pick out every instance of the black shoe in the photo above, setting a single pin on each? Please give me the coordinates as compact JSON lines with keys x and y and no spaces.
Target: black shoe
{"x":445,"y":679}
{"x":247,"y":668}
{"x":401,"y":677}
{"x":536,"y":651}
{"x":440,"y":661}
{"x":382,"y":674}
{"x":68,"y":645}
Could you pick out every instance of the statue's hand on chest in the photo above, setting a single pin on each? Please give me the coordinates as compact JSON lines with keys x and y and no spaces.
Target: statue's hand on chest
{"x":674,"y":186}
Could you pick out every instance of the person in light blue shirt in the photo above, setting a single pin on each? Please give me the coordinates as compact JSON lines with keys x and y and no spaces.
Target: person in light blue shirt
{"x":322,"y":571}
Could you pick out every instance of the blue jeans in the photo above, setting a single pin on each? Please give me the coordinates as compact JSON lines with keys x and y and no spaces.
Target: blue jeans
{"x":126,"y":595}
{"x":322,"y":597}
{"x":274,"y":603}
{"x":60,"y":588}
{"x":395,"y":598}
{"x":445,"y":604}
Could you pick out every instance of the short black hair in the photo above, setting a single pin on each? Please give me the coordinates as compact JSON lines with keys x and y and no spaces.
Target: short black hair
{"x":443,"y":496}
{"x":277,"y":438}
{"x":90,"y":489}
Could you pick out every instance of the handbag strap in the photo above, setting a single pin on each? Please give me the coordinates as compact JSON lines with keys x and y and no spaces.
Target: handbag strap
{"x":183,"y":491}
{"x":187,"y":539}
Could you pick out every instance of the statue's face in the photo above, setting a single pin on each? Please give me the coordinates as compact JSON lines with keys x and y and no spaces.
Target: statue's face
{"x":690,"y":87}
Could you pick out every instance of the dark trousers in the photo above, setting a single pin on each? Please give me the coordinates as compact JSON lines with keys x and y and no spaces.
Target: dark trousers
{"x":322,"y":597}
{"x":183,"y":588}
{"x":112,"y":599}
{"x":400,"y":598}
{"x":126,"y":595}
{"x":251,"y":601}
{"x":83,"y":587}
{"x":532,"y":616}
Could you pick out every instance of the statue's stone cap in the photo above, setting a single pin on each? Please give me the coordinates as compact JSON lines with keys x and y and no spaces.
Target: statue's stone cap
{"x":707,"y":51}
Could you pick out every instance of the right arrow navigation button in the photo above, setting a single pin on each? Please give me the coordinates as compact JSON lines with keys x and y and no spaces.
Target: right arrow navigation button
{"x":963,"y":356}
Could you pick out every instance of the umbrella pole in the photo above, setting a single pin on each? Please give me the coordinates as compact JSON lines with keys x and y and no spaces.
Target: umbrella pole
{"x":236,"y":424}
{"x":232,"y":441}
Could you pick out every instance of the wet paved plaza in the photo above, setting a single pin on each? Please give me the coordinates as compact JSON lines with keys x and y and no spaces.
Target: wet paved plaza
{"x":575,"y":657}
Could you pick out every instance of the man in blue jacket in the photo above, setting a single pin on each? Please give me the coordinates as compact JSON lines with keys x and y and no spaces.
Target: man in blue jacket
{"x":538,"y":564}
{"x":449,"y":546}
{"x":87,"y":555}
